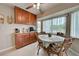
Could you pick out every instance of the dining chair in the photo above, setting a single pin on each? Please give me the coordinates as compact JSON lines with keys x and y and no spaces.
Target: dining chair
{"x":60,"y":34}
{"x":40,"y":45}
{"x":62,"y":48}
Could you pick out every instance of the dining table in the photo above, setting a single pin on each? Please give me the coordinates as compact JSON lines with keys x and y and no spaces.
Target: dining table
{"x":49,"y":40}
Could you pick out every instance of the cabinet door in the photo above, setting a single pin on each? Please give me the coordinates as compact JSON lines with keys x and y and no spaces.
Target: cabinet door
{"x":22,"y":40}
{"x":32,"y":19}
{"x":19,"y":41}
{"x":25,"y":17}
{"x":33,"y":37}
{"x":18,"y":15}
{"x":26,"y":38}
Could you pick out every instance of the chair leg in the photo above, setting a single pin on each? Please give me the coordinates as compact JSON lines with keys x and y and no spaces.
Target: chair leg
{"x":48,"y":54}
{"x":38,"y":51}
{"x":66,"y":53}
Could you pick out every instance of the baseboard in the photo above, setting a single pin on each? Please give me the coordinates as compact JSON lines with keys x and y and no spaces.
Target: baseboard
{"x":4,"y":51}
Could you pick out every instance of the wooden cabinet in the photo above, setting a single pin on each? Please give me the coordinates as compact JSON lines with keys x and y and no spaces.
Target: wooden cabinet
{"x":18,"y":15}
{"x":24,"y":17}
{"x":33,"y":37}
{"x":20,"y":40}
{"x":23,"y":39}
{"x":32,"y":19}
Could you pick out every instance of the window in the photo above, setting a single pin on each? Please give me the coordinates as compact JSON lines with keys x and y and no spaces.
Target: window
{"x":47,"y":26}
{"x":55,"y":25}
{"x":75,"y":24}
{"x":58,"y":25}
{"x":38,"y":26}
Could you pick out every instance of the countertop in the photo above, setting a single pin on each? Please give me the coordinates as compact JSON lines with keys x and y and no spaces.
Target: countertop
{"x":26,"y":32}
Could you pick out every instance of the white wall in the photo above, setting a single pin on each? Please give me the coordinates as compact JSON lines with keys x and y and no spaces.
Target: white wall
{"x":6,"y":10}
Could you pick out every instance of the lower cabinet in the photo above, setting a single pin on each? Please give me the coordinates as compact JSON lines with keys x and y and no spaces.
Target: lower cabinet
{"x":23,"y":39}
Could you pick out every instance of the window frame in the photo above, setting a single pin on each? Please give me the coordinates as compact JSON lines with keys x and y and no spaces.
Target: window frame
{"x":54,"y":18}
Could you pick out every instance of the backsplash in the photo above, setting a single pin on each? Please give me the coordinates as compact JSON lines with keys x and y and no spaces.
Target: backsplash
{"x":13,"y":26}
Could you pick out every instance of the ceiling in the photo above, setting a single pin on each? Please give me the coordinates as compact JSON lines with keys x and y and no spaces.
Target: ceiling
{"x":44,"y":7}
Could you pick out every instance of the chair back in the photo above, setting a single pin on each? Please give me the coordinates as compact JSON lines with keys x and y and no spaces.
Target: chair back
{"x":66,"y":44}
{"x":60,"y":34}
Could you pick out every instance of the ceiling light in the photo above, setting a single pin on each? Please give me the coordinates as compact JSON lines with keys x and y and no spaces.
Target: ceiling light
{"x":34,"y":5}
{"x":38,"y":5}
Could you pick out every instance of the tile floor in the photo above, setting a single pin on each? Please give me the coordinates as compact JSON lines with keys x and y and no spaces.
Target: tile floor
{"x":30,"y":50}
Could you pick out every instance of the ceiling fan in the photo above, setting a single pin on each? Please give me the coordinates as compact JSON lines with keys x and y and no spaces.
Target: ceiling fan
{"x":35,"y":5}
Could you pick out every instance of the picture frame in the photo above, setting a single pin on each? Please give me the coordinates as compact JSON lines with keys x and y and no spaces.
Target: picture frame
{"x":1,"y":19}
{"x":9,"y":19}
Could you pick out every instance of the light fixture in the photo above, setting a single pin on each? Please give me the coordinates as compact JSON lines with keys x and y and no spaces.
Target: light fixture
{"x":36,"y":5}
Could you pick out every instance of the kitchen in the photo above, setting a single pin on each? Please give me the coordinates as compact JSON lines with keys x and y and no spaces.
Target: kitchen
{"x":14,"y":18}
{"x":19,"y":25}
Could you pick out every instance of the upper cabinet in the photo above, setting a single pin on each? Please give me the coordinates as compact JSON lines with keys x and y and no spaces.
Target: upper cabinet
{"x":24,"y":17}
{"x":18,"y":15}
{"x":32,"y":19}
